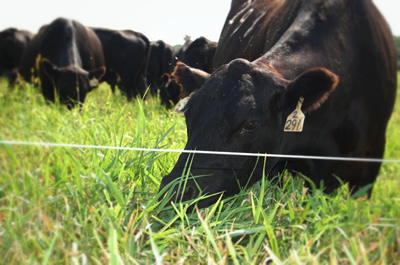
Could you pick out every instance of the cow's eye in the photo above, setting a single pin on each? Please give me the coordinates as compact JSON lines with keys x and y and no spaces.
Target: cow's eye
{"x":250,"y":126}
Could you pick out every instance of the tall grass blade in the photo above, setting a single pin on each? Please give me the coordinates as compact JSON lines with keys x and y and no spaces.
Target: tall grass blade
{"x":114,"y":190}
{"x":50,"y":250}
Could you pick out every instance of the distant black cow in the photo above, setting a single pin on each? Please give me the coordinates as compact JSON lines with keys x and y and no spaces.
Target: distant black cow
{"x":125,"y":53}
{"x":71,"y":61}
{"x":172,"y":90}
{"x":30,"y":61}
{"x":12,"y":44}
{"x":334,"y":61}
{"x":199,"y":54}
{"x":159,"y":69}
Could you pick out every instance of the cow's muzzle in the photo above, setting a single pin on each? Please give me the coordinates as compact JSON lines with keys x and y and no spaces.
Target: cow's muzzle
{"x":178,"y":190}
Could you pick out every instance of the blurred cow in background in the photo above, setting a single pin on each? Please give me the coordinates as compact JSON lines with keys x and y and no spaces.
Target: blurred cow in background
{"x":158,"y":70}
{"x":125,"y":53}
{"x":12,"y":45}
{"x":70,"y":61}
{"x":198,"y":54}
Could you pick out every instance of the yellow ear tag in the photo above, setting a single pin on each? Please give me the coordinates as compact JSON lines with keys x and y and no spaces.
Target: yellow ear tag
{"x":93,"y":82}
{"x":295,"y":121}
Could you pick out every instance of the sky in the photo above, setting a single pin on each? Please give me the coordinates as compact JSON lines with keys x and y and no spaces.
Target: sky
{"x":168,"y":20}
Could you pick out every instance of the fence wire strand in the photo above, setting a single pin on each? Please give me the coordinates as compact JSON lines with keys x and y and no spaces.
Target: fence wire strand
{"x":204,"y":152}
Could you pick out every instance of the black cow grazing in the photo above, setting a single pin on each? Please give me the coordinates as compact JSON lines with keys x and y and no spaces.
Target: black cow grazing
{"x":199,"y":54}
{"x":12,"y":45}
{"x":334,"y":61}
{"x":71,"y":63}
{"x":125,"y":53}
{"x":30,"y":61}
{"x":159,"y":69}
{"x":172,"y":90}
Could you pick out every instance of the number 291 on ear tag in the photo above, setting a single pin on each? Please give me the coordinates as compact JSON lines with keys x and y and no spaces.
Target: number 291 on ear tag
{"x":295,"y":121}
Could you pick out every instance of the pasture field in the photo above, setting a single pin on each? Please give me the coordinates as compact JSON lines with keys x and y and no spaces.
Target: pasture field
{"x":65,"y":205}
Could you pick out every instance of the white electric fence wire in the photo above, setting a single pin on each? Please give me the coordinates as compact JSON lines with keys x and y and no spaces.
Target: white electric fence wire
{"x":349,"y":159}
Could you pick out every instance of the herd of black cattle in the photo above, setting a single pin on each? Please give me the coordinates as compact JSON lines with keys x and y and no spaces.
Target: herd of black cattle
{"x":68,"y":60}
{"x":308,"y":77}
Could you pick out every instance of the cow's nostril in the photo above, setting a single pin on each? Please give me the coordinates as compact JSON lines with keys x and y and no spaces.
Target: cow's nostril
{"x":190,"y":193}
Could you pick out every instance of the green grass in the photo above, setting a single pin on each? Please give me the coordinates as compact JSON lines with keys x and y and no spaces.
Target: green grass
{"x":61,"y":205}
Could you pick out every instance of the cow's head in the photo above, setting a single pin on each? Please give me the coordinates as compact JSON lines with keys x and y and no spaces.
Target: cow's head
{"x":200,"y":54}
{"x":242,"y":107}
{"x":72,"y":83}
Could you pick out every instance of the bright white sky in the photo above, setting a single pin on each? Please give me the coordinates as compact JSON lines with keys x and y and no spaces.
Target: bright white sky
{"x":169,"y":20}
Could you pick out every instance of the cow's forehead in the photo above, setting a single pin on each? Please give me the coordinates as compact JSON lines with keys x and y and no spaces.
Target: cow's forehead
{"x":226,"y":87}
{"x":238,"y":80}
{"x":227,"y":92}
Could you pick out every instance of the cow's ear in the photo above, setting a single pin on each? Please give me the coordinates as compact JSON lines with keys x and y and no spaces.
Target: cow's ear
{"x":189,"y":79}
{"x":96,"y":75}
{"x":314,"y":85}
{"x":49,"y":68}
{"x":181,"y":106}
